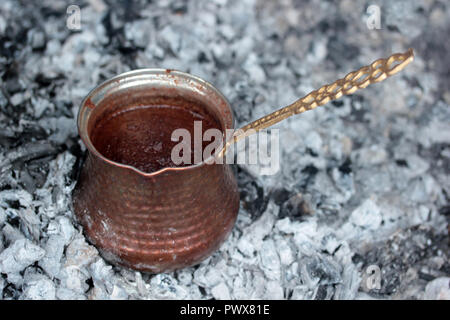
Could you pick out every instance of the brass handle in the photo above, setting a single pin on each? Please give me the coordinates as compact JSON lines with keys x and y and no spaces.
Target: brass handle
{"x":377,"y":71}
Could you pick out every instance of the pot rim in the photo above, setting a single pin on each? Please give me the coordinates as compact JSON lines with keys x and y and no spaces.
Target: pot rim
{"x":107,"y":85}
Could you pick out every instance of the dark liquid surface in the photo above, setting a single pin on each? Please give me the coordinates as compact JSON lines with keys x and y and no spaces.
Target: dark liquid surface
{"x":141,"y":137}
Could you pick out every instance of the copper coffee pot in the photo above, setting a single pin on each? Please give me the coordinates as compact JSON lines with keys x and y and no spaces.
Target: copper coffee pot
{"x":177,"y":216}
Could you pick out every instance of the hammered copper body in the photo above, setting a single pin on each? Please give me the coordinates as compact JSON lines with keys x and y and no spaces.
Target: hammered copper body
{"x":160,"y":221}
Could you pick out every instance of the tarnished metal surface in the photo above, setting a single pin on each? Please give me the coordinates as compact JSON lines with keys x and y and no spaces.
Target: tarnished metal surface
{"x":159,"y":221}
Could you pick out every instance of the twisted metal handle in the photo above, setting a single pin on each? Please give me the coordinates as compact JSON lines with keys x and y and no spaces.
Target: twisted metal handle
{"x":377,"y":71}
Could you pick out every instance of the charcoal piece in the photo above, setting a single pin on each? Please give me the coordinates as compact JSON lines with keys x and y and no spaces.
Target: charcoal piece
{"x":251,"y":193}
{"x":296,"y":207}
{"x":30,"y":151}
{"x":323,"y":269}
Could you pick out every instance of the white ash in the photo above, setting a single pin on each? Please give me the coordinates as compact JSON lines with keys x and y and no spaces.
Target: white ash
{"x":37,"y":286}
{"x":367,"y":215}
{"x":54,"y":249}
{"x":14,"y":259}
{"x":221,"y":292}
{"x":363,"y":182}
{"x":438,"y":289}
